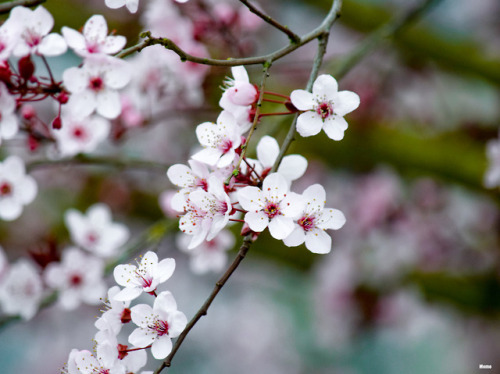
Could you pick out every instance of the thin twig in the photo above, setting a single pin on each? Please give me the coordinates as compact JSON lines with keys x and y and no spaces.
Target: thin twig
{"x":318,"y":59}
{"x":204,"y":309}
{"x":184,"y":56}
{"x":294,"y":38}
{"x":244,"y":148}
{"x":99,"y":161}
{"x":7,"y":7}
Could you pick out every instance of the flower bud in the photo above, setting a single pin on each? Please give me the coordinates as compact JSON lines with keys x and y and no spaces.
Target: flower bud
{"x":26,"y":67}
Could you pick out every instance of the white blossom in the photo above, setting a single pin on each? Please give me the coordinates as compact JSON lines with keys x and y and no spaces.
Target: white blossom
{"x":314,"y":220}
{"x":273,"y":206}
{"x":142,"y":278}
{"x":157,"y":325}
{"x":95,"y":231}
{"x":324,"y":108}
{"x":16,"y":188}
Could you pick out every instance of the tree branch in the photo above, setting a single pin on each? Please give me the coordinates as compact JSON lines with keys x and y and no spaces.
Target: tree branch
{"x":184,"y":56}
{"x":204,"y":308}
{"x":99,"y":161}
{"x":294,"y":38}
{"x":265,"y":74}
{"x":7,"y":7}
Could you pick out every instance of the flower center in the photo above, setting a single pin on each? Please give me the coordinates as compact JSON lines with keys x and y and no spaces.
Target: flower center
{"x":225,"y":145}
{"x":96,"y":84}
{"x":5,"y":189}
{"x":161,"y":327}
{"x":325,"y":109}
{"x":32,"y":38}
{"x":272,"y":210}
{"x":307,"y":223}
{"x":126,"y":316}
{"x":79,"y":132}
{"x":75,"y":280}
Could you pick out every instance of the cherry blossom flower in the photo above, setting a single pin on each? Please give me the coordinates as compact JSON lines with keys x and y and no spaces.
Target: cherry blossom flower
{"x":9,"y":34}
{"x":132,"y":5}
{"x":274,"y":206}
{"x":94,"y":39}
{"x":132,"y":360}
{"x":8,"y":118}
{"x":189,"y":177}
{"x":313,"y":222}
{"x":33,"y":27}
{"x":206,"y":212}
{"x":492,"y":175}
{"x":117,"y":314}
{"x":292,"y":167}
{"x":239,"y":91}
{"x":78,"y":277}
{"x":94,"y":86}
{"x":324,"y":108}
{"x":143,"y":278}
{"x":21,"y":290}
{"x":80,"y":135}
{"x":219,"y":139}
{"x":157,"y":325}
{"x":210,"y":255}
{"x":105,"y":361}
{"x":95,"y":231}
{"x":16,"y":188}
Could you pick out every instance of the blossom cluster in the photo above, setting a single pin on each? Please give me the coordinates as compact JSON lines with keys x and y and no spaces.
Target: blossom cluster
{"x":220,"y":182}
{"x":155,"y":326}
{"x":78,"y":277}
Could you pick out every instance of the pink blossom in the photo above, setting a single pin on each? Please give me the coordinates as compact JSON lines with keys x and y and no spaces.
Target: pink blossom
{"x":157,"y":325}
{"x":94,"y":39}
{"x":21,"y":290}
{"x":142,"y":278}
{"x":95,"y":231}
{"x":324,"y":108}
{"x":94,"y":86}
{"x":239,"y":91}
{"x":210,"y":255}
{"x":33,"y":27}
{"x":314,"y":220}
{"x":80,"y":135}
{"x":16,"y":188}
{"x":219,"y":140}
{"x":117,"y":313}
{"x":273,"y":205}
{"x":206,"y":212}
{"x":79,"y":277}
{"x":8,"y":119}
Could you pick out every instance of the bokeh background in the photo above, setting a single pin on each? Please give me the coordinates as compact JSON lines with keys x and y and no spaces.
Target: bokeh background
{"x":412,"y":284}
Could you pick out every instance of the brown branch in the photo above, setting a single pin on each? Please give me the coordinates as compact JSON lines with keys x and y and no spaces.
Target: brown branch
{"x":204,"y":308}
{"x":7,"y":7}
{"x":294,"y":38}
{"x":265,"y":74}
{"x":184,"y":56}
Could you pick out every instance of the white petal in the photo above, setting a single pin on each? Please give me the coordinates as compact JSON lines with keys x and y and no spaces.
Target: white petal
{"x":275,"y":186}
{"x":128,"y":293}
{"x":318,"y":241}
{"x":161,"y":347}
{"x":95,"y":28}
{"x":309,"y":124}
{"x":325,"y":87}
{"x":165,"y":302}
{"x":240,"y":74}
{"x":346,"y":102}
{"x":251,"y":198}
{"x":114,"y":44}
{"x":280,"y":227}
{"x":73,"y":38}
{"x":296,"y":238}
{"x":267,"y":151}
{"x":75,"y":79}
{"x":334,"y":127}
{"x":332,"y":219}
{"x":302,"y":100}
{"x":165,"y":269}
{"x":208,"y":155}
{"x":257,"y":221}
{"x":108,"y":104}
{"x":52,"y":45}
{"x":293,"y":167}
{"x":141,"y":337}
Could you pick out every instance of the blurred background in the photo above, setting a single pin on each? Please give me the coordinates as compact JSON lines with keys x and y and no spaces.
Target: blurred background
{"x":412,"y":284}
